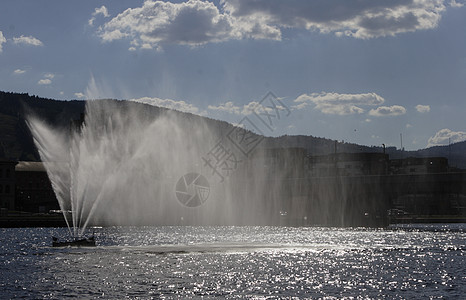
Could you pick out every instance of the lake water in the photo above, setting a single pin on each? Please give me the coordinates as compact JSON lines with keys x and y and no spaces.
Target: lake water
{"x":237,"y":262}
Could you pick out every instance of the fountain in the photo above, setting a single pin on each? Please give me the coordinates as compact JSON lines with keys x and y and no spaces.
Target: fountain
{"x":128,"y":163}
{"x":120,"y":166}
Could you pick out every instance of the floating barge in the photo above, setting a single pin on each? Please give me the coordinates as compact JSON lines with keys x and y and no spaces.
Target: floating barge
{"x":77,"y":242}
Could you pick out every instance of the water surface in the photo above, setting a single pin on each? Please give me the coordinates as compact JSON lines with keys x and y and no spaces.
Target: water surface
{"x":237,"y":262}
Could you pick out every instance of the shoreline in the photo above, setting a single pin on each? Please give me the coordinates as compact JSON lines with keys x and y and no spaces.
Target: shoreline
{"x":23,"y":220}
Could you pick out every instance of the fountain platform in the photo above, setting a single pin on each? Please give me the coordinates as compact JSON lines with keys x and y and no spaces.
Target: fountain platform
{"x":77,"y":242}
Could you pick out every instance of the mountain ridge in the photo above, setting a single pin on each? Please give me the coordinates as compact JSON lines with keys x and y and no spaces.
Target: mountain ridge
{"x":16,"y":140}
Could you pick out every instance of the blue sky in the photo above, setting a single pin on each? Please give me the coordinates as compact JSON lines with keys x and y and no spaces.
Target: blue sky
{"x":359,"y":71}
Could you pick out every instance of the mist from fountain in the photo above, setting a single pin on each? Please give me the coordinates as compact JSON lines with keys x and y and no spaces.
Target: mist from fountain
{"x":122,"y":164}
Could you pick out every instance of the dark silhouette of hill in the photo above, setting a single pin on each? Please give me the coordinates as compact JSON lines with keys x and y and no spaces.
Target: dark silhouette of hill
{"x":15,"y":138}
{"x":16,"y":141}
{"x":456,"y":153}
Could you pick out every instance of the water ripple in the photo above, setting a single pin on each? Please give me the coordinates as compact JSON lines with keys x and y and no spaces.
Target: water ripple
{"x":236,"y":262}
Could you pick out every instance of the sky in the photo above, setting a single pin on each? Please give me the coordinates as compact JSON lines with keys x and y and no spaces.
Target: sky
{"x":370,"y":72}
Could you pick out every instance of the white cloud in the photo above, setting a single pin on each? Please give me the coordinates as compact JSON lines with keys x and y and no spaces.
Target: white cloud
{"x":47,"y":79}
{"x":247,"y":109}
{"x":409,"y":125}
{"x":423,"y":108}
{"x":194,"y":22}
{"x":44,"y":82}
{"x":168,"y":103}
{"x":394,"y":110}
{"x":359,"y":19}
{"x":250,"y":108}
{"x":228,"y":107}
{"x":338,"y":104}
{"x":27,"y":40}
{"x":101,"y":11}
{"x":2,"y":41}
{"x":79,"y":95}
{"x":19,"y":71}
{"x":259,"y":108}
{"x":445,"y":136}
{"x":115,"y":34}
{"x":98,"y":11}
{"x":239,"y":125}
{"x":453,"y":3}
{"x":198,"y":22}
{"x":146,"y":46}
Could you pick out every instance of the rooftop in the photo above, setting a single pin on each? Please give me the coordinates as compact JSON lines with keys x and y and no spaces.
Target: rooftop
{"x":30,"y":166}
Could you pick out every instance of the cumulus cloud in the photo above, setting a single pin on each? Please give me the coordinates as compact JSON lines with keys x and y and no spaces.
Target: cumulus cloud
{"x":192,"y":23}
{"x":79,"y":95}
{"x":168,"y":103}
{"x":98,"y":11}
{"x":47,"y":79}
{"x":445,"y":136}
{"x":239,"y":125}
{"x":2,"y":41}
{"x":248,"y":109}
{"x":394,"y":110}
{"x":27,"y":40}
{"x":328,"y":103}
{"x":101,"y":11}
{"x":338,"y":104}
{"x":251,"y":107}
{"x":228,"y":107}
{"x":423,"y":108}
{"x":198,"y":22}
{"x":44,"y":82}
{"x":359,"y":19}
{"x":453,"y":3}
{"x":19,"y":72}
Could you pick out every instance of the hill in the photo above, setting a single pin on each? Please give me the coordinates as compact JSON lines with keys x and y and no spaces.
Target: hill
{"x":16,"y":140}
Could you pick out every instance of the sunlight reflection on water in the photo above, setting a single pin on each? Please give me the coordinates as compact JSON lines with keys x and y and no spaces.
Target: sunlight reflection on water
{"x":236,"y":262}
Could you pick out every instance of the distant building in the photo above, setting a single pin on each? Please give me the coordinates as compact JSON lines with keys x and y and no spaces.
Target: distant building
{"x":288,"y":162}
{"x":7,"y":184}
{"x":34,"y":191}
{"x":348,"y":164}
{"x":419,"y":165}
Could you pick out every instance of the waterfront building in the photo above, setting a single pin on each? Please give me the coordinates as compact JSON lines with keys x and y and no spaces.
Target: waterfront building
{"x":34,"y":191}
{"x":7,"y":184}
